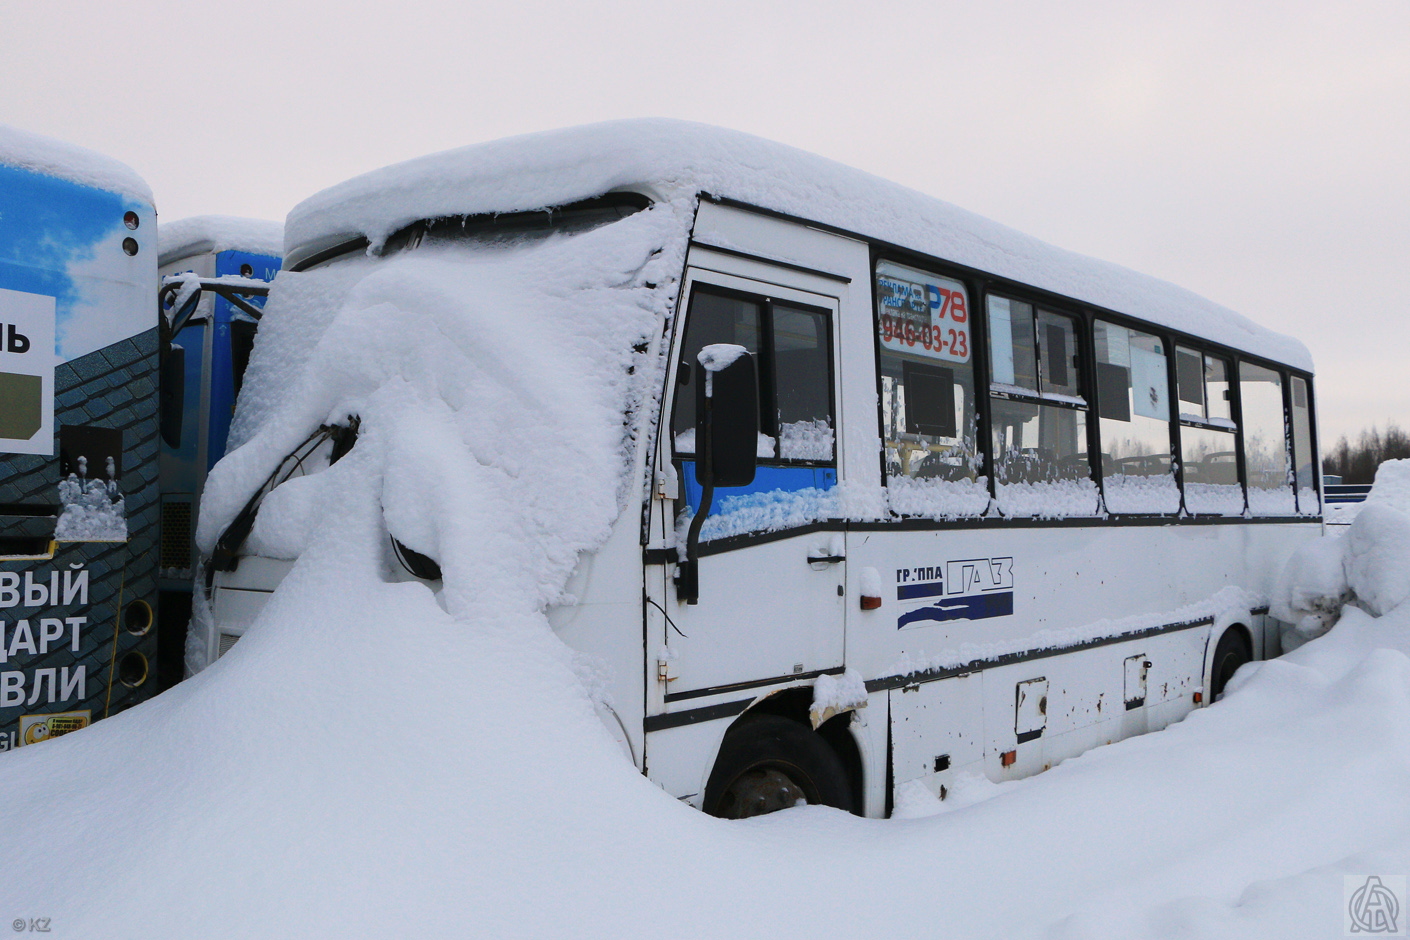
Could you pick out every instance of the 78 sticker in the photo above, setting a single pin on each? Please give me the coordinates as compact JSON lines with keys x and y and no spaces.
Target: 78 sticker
{"x":923,"y":317}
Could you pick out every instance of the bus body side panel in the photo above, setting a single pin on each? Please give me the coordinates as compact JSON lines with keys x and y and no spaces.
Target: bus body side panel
{"x":603,"y":625}
{"x":78,"y":562}
{"x":977,"y":618}
{"x":216,"y":341}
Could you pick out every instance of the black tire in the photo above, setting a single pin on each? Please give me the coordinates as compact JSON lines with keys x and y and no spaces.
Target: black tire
{"x":1231,"y":653}
{"x":768,"y":763}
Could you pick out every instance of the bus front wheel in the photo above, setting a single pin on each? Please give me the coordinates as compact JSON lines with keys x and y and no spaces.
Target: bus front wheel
{"x":768,"y":763}
{"x":1231,"y":653}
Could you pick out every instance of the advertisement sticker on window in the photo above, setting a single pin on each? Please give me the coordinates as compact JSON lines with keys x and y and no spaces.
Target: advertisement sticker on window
{"x":922,"y":314}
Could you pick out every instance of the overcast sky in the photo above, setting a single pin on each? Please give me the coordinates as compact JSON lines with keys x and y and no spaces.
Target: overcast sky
{"x":1257,"y":153}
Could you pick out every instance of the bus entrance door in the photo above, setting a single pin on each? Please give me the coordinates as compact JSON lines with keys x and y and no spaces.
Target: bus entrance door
{"x":770,"y":574}
{"x":768,"y":613}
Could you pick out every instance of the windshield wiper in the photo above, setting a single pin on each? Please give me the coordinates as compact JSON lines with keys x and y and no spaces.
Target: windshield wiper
{"x":225,"y":557}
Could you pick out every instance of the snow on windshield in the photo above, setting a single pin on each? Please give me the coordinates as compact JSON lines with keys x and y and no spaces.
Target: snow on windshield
{"x":491,"y":387}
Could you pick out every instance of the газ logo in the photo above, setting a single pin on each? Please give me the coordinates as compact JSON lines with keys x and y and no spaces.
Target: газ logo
{"x":971,"y":588}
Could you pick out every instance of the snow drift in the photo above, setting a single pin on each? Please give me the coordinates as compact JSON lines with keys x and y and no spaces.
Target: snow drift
{"x":1367,"y":565}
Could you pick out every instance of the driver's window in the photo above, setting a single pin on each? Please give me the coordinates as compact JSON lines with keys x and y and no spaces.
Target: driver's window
{"x":791,"y":345}
{"x":797,"y":448}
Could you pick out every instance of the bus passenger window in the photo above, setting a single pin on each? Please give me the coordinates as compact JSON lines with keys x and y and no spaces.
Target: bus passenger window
{"x":1013,"y":355}
{"x":1038,"y":416}
{"x":1057,"y":354}
{"x":1304,"y":468}
{"x":928,"y":418}
{"x":1208,"y":460}
{"x":1133,"y":409}
{"x":1265,"y":441}
{"x":1219,"y":397}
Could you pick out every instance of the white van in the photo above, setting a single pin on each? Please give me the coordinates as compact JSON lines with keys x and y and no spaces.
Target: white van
{"x":972,"y":504}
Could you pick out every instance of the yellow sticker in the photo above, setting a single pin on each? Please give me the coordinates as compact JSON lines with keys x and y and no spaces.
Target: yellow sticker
{"x":36,"y":728}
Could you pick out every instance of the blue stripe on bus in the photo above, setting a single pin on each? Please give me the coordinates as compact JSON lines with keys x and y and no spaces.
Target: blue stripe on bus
{"x":221,"y":366}
{"x":766,"y":480}
{"x":977,"y":607}
{"x":905,"y":592}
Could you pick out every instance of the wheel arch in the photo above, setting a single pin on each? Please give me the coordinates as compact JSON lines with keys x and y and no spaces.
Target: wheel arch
{"x":1239,"y":627}
{"x":795,"y":703}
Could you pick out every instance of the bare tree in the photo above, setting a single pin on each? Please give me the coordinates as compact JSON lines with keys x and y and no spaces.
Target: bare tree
{"x":1357,"y":463}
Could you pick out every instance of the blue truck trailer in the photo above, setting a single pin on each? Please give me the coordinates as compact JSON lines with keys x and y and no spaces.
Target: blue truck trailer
{"x":213,"y":271}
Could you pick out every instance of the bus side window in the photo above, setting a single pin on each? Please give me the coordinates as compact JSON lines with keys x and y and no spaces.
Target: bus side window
{"x":242,"y":341}
{"x":1207,"y":435}
{"x":1133,"y":416}
{"x":1038,"y":417}
{"x":1305,"y":470}
{"x":929,"y":422}
{"x":795,"y":364}
{"x":1266,"y":460}
{"x":802,"y":384}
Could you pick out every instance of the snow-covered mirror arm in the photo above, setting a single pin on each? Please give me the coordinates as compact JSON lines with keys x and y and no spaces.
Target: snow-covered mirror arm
{"x":180,"y":294}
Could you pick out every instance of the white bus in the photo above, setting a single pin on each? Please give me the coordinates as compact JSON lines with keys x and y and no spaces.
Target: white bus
{"x":975,"y":504}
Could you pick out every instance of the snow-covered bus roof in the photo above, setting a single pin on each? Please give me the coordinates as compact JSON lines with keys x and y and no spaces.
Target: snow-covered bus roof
{"x":52,"y":157}
{"x":674,"y":160}
{"x":201,"y":234}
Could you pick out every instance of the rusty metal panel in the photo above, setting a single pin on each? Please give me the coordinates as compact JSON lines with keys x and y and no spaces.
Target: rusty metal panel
{"x":1030,"y":709}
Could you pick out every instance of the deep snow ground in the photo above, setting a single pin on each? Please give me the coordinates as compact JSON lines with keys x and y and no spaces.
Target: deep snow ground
{"x":432,"y":780}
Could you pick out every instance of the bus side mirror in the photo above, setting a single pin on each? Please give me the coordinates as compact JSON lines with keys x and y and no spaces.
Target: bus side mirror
{"x":727,"y":417}
{"x":172,"y":396}
{"x":726,"y":442}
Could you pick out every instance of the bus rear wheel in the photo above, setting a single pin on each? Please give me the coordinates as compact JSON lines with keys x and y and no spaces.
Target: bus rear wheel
{"x":1231,"y":653}
{"x":768,"y":763}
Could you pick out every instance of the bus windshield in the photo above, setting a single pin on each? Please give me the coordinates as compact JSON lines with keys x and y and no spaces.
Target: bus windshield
{"x":514,"y":228}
